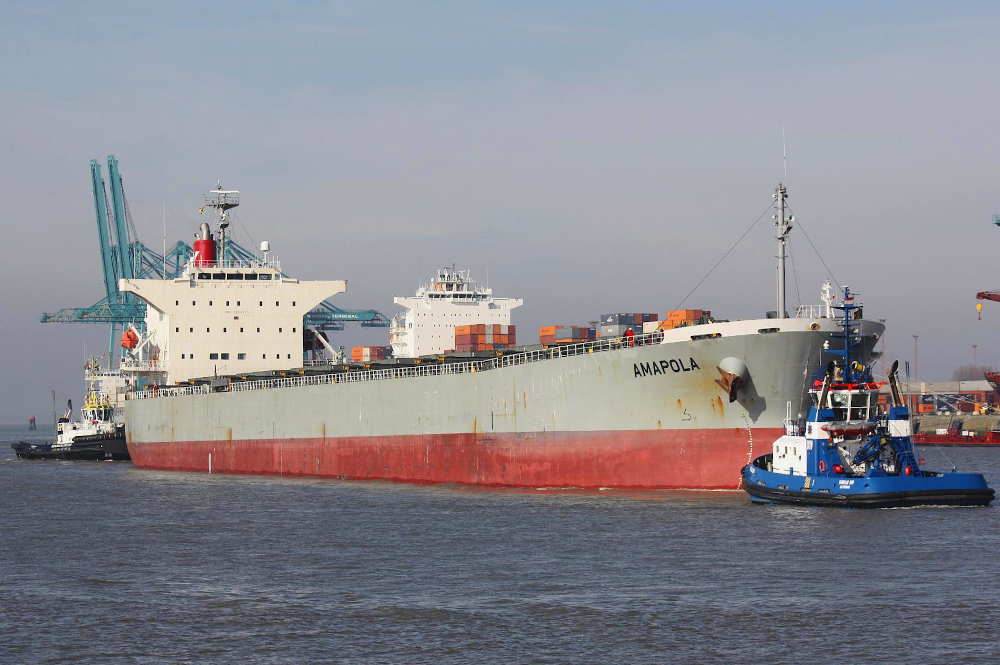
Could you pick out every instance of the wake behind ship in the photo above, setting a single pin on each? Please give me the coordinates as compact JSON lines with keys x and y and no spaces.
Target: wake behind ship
{"x":680,"y":408}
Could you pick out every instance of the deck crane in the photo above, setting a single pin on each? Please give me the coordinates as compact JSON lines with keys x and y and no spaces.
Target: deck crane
{"x":988,"y":295}
{"x":123,"y":256}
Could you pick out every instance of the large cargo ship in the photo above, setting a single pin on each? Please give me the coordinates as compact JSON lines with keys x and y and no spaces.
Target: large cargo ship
{"x":680,"y":408}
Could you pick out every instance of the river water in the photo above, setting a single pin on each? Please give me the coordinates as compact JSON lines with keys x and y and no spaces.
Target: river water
{"x":101,"y":562}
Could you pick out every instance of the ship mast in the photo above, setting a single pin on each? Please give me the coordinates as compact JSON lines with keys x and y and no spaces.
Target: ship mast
{"x":784,"y":226}
{"x":222,"y":200}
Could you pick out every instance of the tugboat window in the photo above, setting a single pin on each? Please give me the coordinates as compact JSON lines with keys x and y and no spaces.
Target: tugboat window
{"x":839,"y":402}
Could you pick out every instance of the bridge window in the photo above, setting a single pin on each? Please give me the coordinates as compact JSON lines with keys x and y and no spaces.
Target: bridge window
{"x":860,"y":405}
{"x":213,"y":356}
{"x":241,"y":356}
{"x":183,"y":356}
{"x":838,"y":401}
{"x":225,"y":356}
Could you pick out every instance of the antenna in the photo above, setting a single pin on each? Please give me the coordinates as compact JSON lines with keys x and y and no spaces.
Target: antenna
{"x":164,"y":238}
{"x":784,"y":160}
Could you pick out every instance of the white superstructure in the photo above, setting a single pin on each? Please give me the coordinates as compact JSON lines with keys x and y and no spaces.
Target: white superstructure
{"x":451,"y":299}
{"x":221,"y":316}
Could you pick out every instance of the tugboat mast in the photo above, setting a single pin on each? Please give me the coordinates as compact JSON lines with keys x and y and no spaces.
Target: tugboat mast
{"x":784,"y":226}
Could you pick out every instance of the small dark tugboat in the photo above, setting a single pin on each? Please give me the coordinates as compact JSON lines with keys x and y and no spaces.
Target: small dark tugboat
{"x":98,"y":435}
{"x":853,"y":456}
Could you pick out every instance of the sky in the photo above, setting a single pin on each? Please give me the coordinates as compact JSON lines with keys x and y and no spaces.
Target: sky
{"x":588,"y":157}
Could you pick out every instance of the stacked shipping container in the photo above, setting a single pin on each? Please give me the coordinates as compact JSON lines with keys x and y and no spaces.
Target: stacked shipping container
{"x":566,"y":334}
{"x":485,"y":337}
{"x":363,"y":354}
{"x":678,"y":318}
{"x":615,"y":325}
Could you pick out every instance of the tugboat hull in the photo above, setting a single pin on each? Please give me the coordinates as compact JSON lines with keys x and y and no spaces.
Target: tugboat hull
{"x":944,"y":489}
{"x":97,"y":447}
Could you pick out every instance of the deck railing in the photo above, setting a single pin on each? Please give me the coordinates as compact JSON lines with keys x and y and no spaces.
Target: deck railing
{"x":355,"y":376}
{"x":810,"y":312}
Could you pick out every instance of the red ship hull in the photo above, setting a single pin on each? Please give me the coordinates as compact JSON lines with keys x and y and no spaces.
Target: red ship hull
{"x":984,"y":439}
{"x":660,"y":459}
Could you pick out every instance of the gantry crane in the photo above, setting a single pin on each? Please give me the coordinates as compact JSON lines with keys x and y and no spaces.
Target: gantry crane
{"x":988,"y":295}
{"x":124,"y":257}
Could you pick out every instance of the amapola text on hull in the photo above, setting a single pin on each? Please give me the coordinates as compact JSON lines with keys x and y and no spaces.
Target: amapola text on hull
{"x":681,"y":408}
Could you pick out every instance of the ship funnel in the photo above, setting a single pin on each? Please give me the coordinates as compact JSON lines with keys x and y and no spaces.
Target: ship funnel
{"x":204,"y":248}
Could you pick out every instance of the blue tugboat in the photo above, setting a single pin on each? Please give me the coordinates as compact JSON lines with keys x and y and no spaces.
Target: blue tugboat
{"x":849,"y":454}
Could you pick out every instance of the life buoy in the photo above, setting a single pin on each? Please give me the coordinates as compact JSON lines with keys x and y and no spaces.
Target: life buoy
{"x":822,"y":465}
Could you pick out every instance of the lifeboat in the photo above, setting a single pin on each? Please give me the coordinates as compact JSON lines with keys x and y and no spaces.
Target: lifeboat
{"x":130,"y":339}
